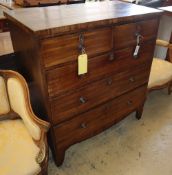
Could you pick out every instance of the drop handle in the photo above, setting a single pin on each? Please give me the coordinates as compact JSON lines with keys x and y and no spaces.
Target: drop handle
{"x":109,"y":81}
{"x":139,"y":37}
{"x":82,"y":100}
{"x":129,"y":102}
{"x":132,"y":79}
{"x":137,"y":34}
{"x":111,"y":57}
{"x":83,"y":125}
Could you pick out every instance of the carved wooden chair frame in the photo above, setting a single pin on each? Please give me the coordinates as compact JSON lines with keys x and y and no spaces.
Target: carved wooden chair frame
{"x":169,"y":58}
{"x":42,"y":157}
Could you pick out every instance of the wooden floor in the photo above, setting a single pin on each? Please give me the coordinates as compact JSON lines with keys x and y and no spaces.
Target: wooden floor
{"x":5,"y":44}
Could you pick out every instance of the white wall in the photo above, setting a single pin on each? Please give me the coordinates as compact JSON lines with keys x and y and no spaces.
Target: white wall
{"x":164,"y":33}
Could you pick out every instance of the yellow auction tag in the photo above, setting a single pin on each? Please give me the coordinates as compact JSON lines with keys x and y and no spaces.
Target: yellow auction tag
{"x":82,"y":64}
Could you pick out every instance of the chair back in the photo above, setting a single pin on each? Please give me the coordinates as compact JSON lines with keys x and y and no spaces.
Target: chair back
{"x":4,"y":103}
{"x":15,"y":99}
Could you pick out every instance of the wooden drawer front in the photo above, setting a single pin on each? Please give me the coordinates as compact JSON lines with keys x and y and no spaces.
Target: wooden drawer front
{"x":66,"y":48}
{"x":125,"y":35}
{"x":66,"y":78}
{"x":69,"y":105}
{"x":59,"y":50}
{"x":98,"y":41}
{"x":98,"y":119}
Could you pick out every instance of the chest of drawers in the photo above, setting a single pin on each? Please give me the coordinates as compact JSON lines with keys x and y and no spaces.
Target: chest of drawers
{"x":81,"y":106}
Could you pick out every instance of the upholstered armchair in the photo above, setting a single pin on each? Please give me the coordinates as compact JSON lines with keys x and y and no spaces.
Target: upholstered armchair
{"x":161,"y":70}
{"x":23,"y":142}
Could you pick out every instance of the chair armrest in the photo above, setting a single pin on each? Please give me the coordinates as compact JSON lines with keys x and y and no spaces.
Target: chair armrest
{"x":41,"y":123}
{"x":165,"y":44}
{"x":162,"y":43}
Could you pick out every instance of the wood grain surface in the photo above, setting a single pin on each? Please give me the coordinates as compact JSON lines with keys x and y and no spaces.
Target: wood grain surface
{"x":50,"y":21}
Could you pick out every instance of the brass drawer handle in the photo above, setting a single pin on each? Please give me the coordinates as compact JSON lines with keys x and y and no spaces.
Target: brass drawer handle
{"x":129,"y":102}
{"x":82,"y":100}
{"x":111,"y":57}
{"x":109,"y":81}
{"x":139,"y":37}
{"x":132,"y":79}
{"x":83,"y":125}
{"x":136,"y":34}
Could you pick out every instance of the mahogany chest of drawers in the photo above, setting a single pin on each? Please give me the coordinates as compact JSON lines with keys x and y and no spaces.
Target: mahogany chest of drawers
{"x":48,"y":43}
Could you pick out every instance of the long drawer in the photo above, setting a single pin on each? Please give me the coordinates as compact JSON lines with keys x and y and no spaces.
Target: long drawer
{"x":125,"y":35}
{"x":64,"y":49}
{"x":98,"y":119}
{"x":85,"y":98}
{"x":98,"y":67}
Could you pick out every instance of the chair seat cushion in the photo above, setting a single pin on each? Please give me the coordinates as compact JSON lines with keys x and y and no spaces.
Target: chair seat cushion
{"x":18,"y":151}
{"x":161,"y":73}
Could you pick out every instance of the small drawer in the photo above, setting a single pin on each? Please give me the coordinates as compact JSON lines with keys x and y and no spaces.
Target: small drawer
{"x":65,"y":78}
{"x":66,"y":48}
{"x":59,"y":50}
{"x":126,"y":35}
{"x":98,"y":41}
{"x":94,"y":121}
{"x":68,"y":105}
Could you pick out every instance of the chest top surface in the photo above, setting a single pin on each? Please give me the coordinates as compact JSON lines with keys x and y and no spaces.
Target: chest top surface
{"x":65,"y":18}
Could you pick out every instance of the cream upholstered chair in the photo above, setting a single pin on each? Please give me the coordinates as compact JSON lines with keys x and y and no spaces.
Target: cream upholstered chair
{"x":23,"y":142}
{"x":161,"y":70}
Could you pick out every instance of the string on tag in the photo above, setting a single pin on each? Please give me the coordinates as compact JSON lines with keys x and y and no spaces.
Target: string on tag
{"x":137,"y":48}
